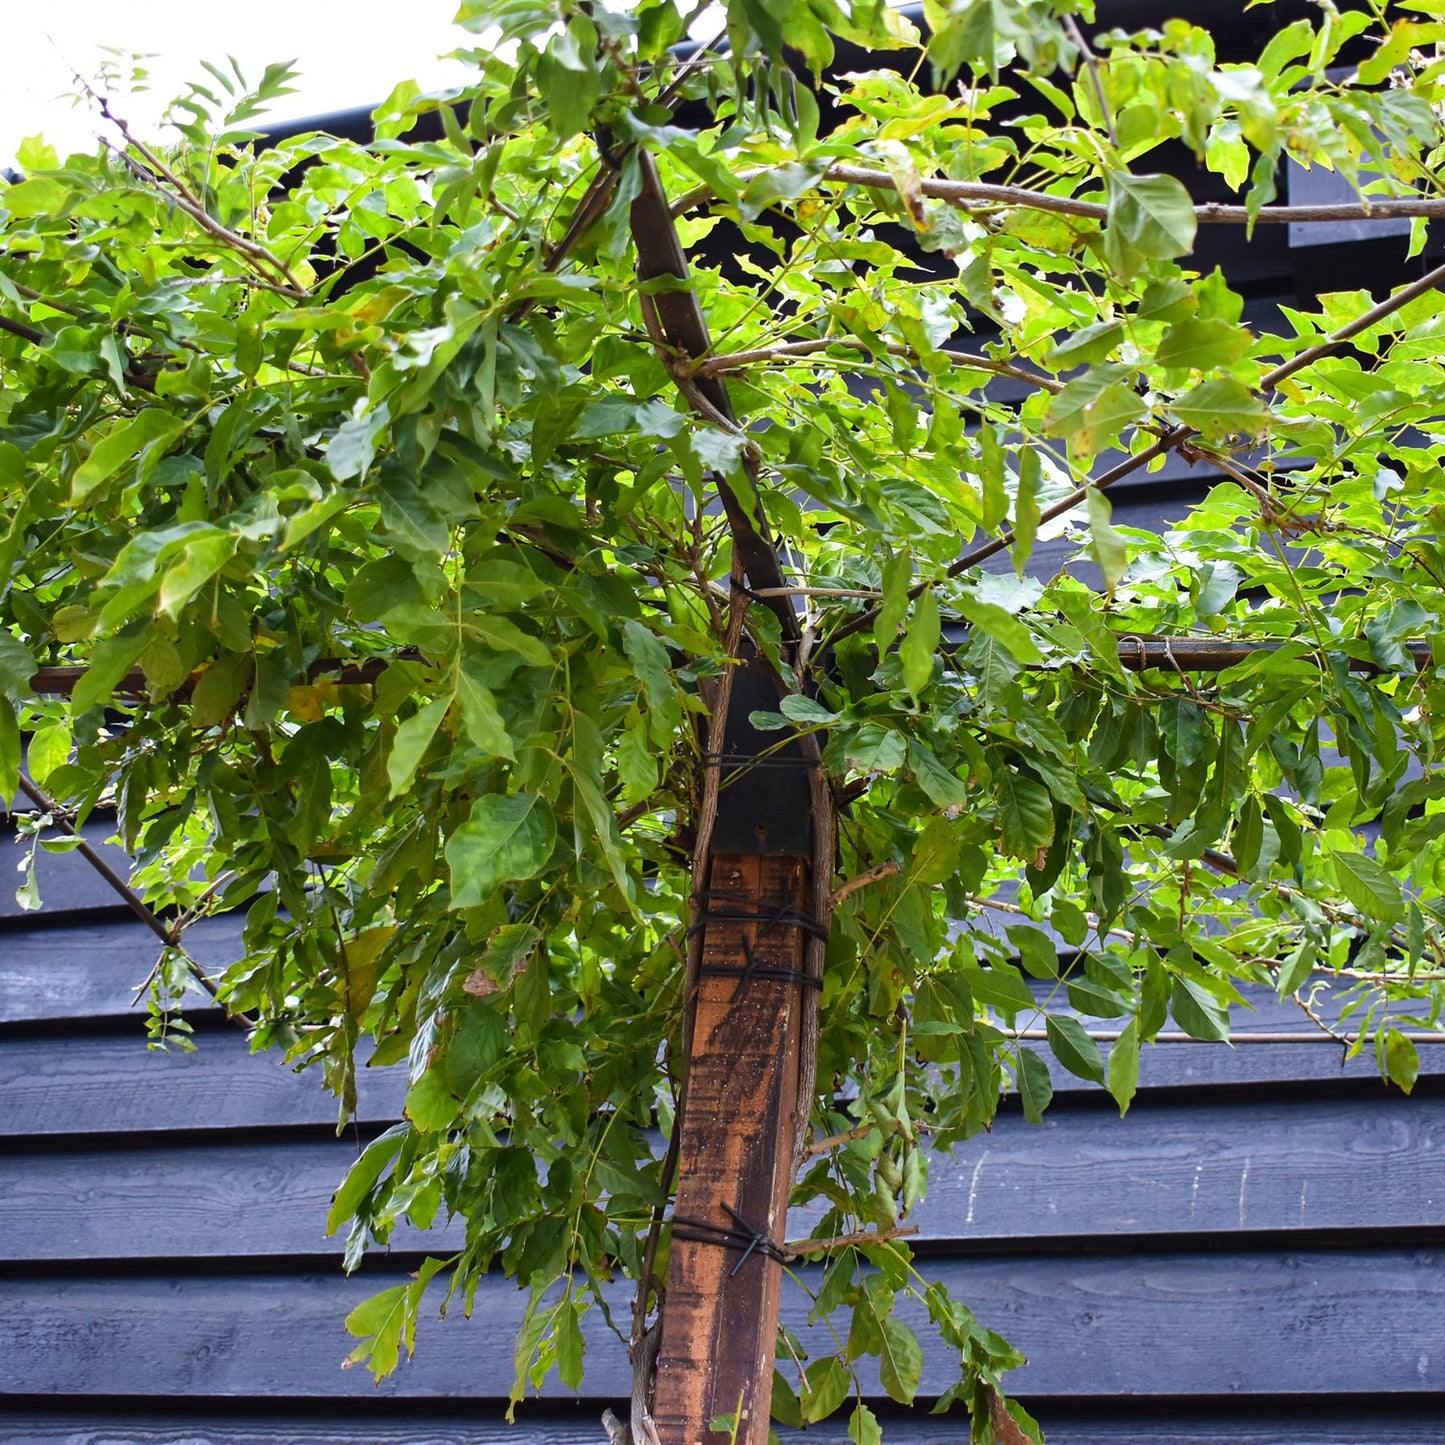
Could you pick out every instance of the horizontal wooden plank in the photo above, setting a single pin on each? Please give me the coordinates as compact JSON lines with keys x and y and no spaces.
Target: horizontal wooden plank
{"x":111,"y":1083}
{"x":90,"y":971}
{"x":1310,"y":1164}
{"x":1281,"y":1166}
{"x":67,"y":881}
{"x":267,"y":1198}
{"x":424,"y":1426}
{"x":1219,"y":1324}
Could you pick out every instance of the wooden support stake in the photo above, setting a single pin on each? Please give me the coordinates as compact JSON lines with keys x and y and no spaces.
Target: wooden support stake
{"x":719,"y":1324}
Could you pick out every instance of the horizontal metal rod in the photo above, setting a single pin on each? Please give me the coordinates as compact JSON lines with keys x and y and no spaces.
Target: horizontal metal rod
{"x":1138,"y":654}
{"x":1109,"y":1036}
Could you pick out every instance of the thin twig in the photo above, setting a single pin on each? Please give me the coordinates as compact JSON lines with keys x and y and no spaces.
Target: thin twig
{"x":862,"y":880}
{"x":24,"y":332}
{"x":1108,"y":1036}
{"x":1171,"y":439}
{"x":978,"y":194}
{"x":137,"y":905}
{"x":274,"y":271}
{"x":836,"y":1141}
{"x":1092,"y":61}
{"x":788,"y":350}
{"x":846,"y":1241}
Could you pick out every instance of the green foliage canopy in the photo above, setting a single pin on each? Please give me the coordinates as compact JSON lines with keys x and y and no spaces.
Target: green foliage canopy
{"x":384,"y":531}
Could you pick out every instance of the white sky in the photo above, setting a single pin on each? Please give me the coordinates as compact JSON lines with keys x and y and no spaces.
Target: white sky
{"x":348,"y":55}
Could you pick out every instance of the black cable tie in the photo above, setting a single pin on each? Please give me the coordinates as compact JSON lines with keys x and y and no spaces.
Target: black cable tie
{"x":748,"y":761}
{"x":772,"y":972}
{"x":786,"y":915}
{"x":745,"y":1237}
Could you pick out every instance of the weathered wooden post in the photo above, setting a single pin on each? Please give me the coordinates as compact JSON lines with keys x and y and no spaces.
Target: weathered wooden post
{"x":736,"y":1154}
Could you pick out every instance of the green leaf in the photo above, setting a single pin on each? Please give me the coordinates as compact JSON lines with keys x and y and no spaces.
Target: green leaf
{"x":39,"y":196}
{"x":1197,"y":1011}
{"x":1124,"y":1066}
{"x":1036,"y":1088}
{"x":505,"y":839}
{"x":414,"y":522}
{"x":1373,"y":891}
{"x":807,"y":711}
{"x":637,"y":764}
{"x":863,"y":1427}
{"x":200,"y":557}
{"x":9,"y":753}
{"x":570,"y":1344}
{"x":1402,"y":1060}
{"x":17,"y":667}
{"x":1093,"y":409}
{"x":413,"y":738}
{"x":49,"y":749}
{"x":361,"y":1179}
{"x":1295,"y":971}
{"x":875,"y":749}
{"x":1204,"y":344}
{"x":1152,"y":215}
{"x":897,"y":578}
{"x":1221,"y":407}
{"x":1026,"y":814}
{"x":827,"y":1383}
{"x":1027,"y":512}
{"x":945,"y":789}
{"x":149,"y":428}
{"x":1106,"y":546}
{"x":1073,"y":1048}
{"x":784,"y":182}
{"x":219,"y":688}
{"x":918,"y":651}
{"x":1002,"y":626}
{"x":108,"y":664}
{"x":481,"y":721}
{"x":900,"y":1361}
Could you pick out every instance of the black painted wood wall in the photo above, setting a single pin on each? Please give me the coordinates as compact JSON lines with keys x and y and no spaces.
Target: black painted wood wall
{"x":1255,"y":1254}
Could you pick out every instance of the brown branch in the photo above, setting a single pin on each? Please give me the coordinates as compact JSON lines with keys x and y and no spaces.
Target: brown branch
{"x":137,"y":905}
{"x":980,"y":195}
{"x":677,"y":316}
{"x":1214,"y":654}
{"x":844,"y":1241}
{"x":836,"y":1141}
{"x":1138,"y":654}
{"x":1108,"y":1036}
{"x":1174,"y":437}
{"x":1092,"y":61}
{"x":273,"y":271}
{"x":61,"y":681}
{"x":717,"y":365}
{"x":862,"y":880}
{"x":24,"y":332}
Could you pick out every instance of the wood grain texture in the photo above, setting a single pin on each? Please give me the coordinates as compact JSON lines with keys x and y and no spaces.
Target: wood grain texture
{"x":1185,"y":1169}
{"x":259,"y":1200}
{"x":84,"y":971}
{"x":1302,"y":1426}
{"x":111,"y":1083}
{"x":1224,"y":1323}
{"x":719,"y":1325}
{"x":1176,"y":1170}
{"x":68,"y":884}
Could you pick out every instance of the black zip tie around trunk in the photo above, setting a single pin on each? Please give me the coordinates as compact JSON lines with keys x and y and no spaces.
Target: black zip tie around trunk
{"x":745,"y":1237}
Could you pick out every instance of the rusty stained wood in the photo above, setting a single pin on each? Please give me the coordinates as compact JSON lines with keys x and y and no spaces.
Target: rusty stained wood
{"x":719,"y":1326}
